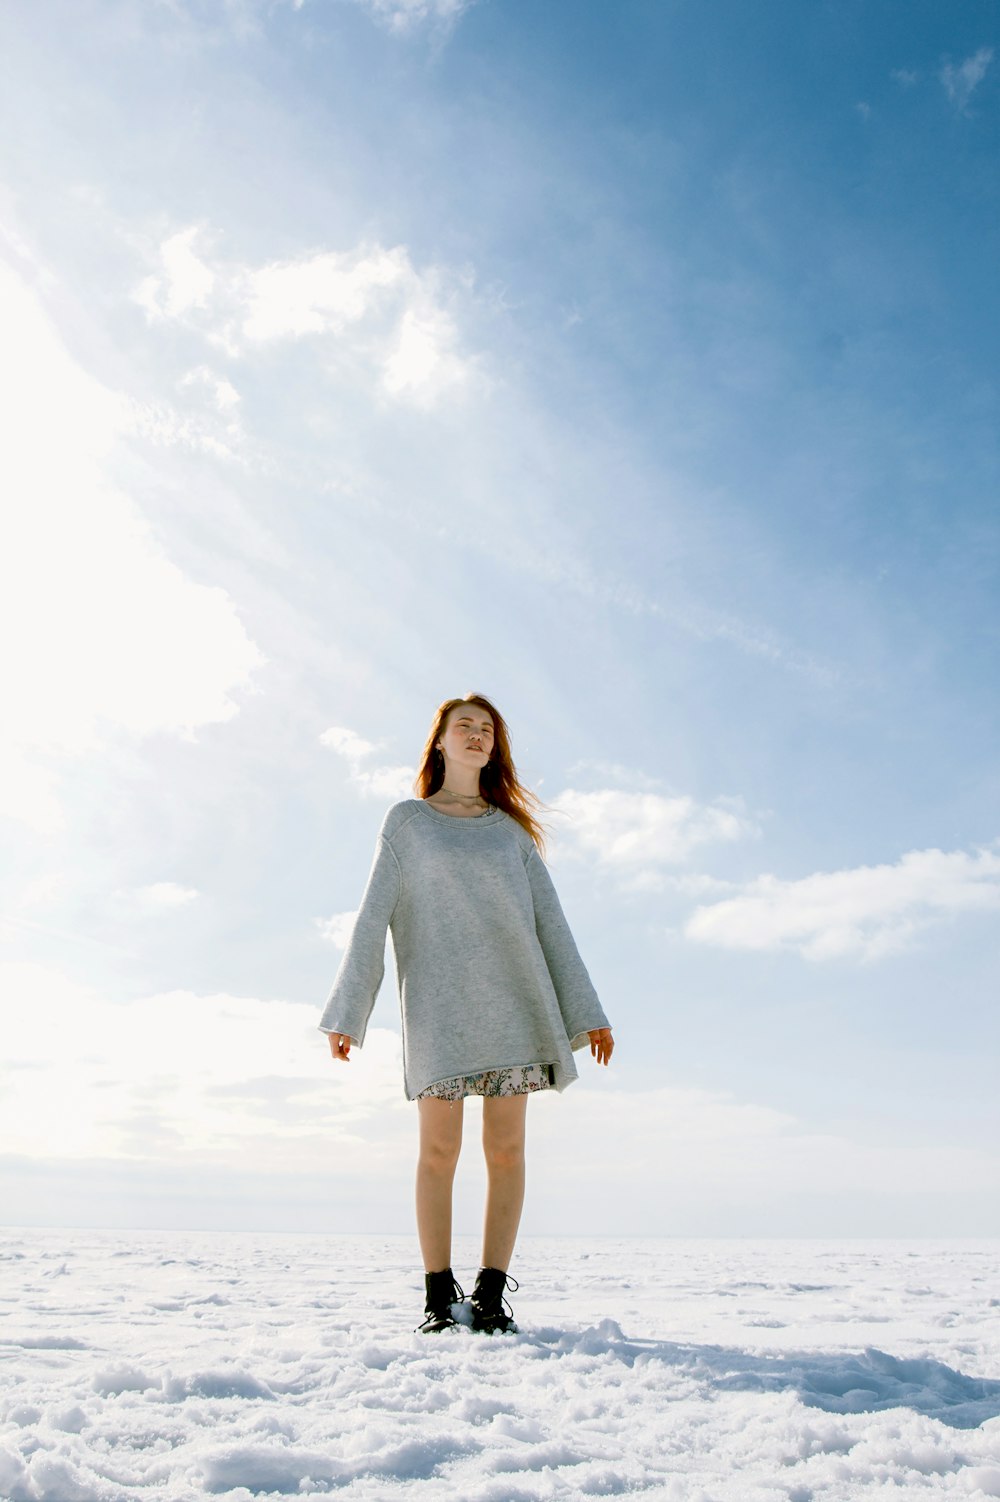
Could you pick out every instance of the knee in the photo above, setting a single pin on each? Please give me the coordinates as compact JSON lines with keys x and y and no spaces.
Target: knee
{"x":504,"y":1154}
{"x":439,"y":1157}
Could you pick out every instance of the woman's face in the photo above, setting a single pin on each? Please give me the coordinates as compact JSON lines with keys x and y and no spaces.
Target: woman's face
{"x":467,"y":737}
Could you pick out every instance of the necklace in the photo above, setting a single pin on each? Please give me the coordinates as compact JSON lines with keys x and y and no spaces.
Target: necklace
{"x":462,"y":797}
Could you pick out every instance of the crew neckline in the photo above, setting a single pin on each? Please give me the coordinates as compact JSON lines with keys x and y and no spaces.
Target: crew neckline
{"x":435,"y":813}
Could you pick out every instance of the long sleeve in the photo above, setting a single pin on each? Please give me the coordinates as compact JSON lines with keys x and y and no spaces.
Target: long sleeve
{"x":362,"y":967}
{"x":578,"y":1001}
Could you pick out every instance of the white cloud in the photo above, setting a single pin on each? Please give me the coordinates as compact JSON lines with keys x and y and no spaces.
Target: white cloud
{"x":373,"y":312}
{"x":215,"y":429}
{"x":105,"y":633}
{"x":390,"y":783}
{"x":864,"y":912}
{"x":40,"y":892}
{"x":321,"y":293}
{"x":423,"y":363}
{"x":213,"y":426}
{"x":223,"y":394}
{"x":632,"y":832}
{"x":189,"y":280}
{"x":183,"y":1077}
{"x":347,"y":743}
{"x":338,"y":928}
{"x":962,"y":80}
{"x":158,"y":897}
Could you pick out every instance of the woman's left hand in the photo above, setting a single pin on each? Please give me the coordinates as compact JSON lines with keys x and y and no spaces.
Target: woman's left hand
{"x":602,"y":1045}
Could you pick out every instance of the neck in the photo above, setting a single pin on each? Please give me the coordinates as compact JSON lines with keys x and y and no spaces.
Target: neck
{"x":461,"y":780}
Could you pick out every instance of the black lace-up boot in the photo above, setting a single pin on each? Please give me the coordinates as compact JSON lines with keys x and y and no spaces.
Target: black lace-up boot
{"x":442,"y":1292}
{"x":490,"y":1310}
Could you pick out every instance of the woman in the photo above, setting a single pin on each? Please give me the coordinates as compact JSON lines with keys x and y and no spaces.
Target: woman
{"x":493,"y":993}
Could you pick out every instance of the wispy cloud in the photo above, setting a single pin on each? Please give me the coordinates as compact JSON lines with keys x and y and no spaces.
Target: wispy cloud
{"x":391,"y":782}
{"x":377,"y":317}
{"x":755,"y":639}
{"x":865,"y":912}
{"x":962,"y":79}
{"x":391,"y":333}
{"x":404,"y":15}
{"x":703,"y":622}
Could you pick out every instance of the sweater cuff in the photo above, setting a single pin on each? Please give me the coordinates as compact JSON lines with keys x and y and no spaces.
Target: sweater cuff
{"x":356,"y":1042}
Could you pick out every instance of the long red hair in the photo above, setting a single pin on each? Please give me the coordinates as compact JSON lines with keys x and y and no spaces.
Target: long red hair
{"x":498,"y":781}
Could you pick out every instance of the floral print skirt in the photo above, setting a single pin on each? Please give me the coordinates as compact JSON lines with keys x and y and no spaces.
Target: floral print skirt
{"x":519,"y":1080}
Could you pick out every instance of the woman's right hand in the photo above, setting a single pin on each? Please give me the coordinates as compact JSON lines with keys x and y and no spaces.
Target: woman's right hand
{"x":602,"y":1045}
{"x":340,"y":1046}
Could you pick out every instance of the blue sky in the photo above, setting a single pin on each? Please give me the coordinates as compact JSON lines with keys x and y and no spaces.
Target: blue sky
{"x":633,"y":365}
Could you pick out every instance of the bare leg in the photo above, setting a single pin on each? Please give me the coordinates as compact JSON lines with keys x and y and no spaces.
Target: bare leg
{"x":503,"y":1146}
{"x":440,"y":1145}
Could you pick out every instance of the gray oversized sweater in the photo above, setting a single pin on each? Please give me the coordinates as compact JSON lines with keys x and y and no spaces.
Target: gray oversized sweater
{"x":488,"y":972}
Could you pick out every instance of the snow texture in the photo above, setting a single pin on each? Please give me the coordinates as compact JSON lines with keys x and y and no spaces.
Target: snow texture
{"x":174,"y":1366}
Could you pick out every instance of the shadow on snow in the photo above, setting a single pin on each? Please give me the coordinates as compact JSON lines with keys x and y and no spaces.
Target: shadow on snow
{"x":838,"y":1382}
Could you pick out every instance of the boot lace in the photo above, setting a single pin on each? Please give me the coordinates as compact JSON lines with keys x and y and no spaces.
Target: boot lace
{"x":513,"y":1285}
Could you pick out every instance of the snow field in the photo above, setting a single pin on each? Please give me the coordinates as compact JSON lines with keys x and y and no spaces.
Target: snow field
{"x":179,"y":1366}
